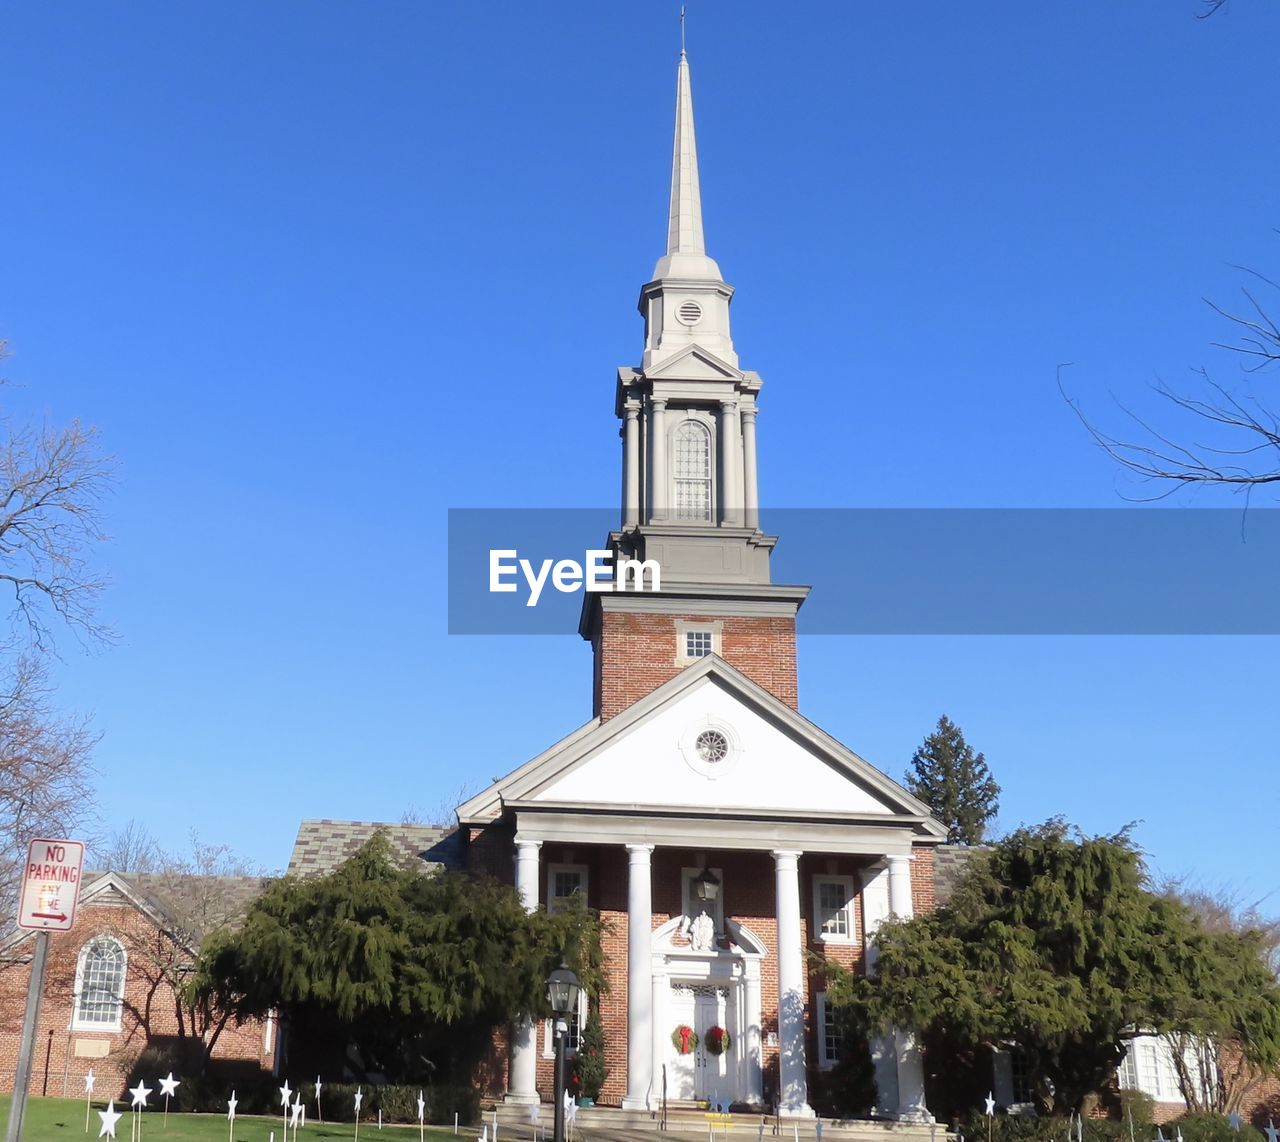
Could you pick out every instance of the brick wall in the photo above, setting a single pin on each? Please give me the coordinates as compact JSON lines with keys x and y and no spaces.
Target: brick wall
{"x":63,"y":1056}
{"x":636,"y":653}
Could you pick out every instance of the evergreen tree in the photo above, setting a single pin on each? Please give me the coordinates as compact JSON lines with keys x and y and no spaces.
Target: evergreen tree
{"x":955,"y":783}
{"x":1056,"y":943}
{"x":378,"y":968}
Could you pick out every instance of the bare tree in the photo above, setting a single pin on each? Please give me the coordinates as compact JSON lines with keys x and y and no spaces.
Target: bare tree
{"x":45,"y":770}
{"x":129,"y":849}
{"x":52,"y":485}
{"x":1225,"y":436}
{"x":192,"y":896}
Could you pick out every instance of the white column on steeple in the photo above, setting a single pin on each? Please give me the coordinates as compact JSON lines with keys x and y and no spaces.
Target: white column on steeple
{"x":750,"y":483}
{"x":523,"y":1084}
{"x":639,"y":978}
{"x":631,"y":465}
{"x":793,"y":1096}
{"x":658,"y":465}
{"x":730,"y":467}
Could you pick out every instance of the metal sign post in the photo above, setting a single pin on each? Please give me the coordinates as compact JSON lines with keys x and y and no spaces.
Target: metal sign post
{"x":50,"y":892}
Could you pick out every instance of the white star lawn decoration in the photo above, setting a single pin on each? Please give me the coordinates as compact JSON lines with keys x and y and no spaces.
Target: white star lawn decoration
{"x":140,"y":1093}
{"x":1235,"y":1121}
{"x":89,"y":1080}
{"x":422,"y":1106}
{"x":232,"y":1103}
{"x":319,"y":1112}
{"x":285,"y":1092}
{"x":168,"y":1088}
{"x":991,"y":1105}
{"x":295,"y":1112}
{"x":1273,"y":1135}
{"x":109,"y":1117}
{"x":359,"y":1098}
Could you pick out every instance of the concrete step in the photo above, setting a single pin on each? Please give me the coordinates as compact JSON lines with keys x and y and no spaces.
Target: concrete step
{"x":693,"y":1124}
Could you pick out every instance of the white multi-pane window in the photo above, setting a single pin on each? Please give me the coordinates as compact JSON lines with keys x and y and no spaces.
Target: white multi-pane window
{"x":100,"y":975}
{"x":564,"y":882}
{"x":575,"y":1025}
{"x":693,"y":471}
{"x":833,"y":908}
{"x":830,"y":1040}
{"x":1148,"y":1067}
{"x":698,"y":643}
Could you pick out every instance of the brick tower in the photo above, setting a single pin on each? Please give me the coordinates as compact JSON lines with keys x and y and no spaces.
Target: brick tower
{"x":690,"y":499}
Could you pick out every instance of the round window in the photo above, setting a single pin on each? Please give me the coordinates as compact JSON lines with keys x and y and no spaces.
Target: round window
{"x":690,"y":312}
{"x":712,"y":746}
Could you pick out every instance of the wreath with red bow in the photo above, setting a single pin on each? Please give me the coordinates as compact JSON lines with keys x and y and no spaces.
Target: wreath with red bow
{"x":718,"y":1041}
{"x":684,"y":1039}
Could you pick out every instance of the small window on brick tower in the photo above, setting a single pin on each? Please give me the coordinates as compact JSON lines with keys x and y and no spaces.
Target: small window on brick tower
{"x":697,"y":643}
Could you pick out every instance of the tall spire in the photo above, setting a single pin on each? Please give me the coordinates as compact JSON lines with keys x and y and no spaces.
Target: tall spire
{"x":684,"y":226}
{"x":686,"y":249}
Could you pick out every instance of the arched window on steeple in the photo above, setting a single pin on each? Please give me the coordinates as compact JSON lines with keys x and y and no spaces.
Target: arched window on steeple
{"x":693,"y":471}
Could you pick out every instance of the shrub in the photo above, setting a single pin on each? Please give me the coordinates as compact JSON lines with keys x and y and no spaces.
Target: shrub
{"x":589,"y":1064}
{"x":1209,"y":1128}
{"x":1137,"y":1105}
{"x":397,"y":1103}
{"x":1029,"y":1128}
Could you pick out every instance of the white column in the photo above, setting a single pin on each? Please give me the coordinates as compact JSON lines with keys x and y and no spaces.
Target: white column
{"x":751,"y":1053}
{"x":639,"y":978}
{"x":750,"y":483}
{"x":523,"y":1076}
{"x":911,"y":1104}
{"x":794,"y":1087}
{"x":729,"y":467}
{"x":884,"y":1055}
{"x":631,"y":465}
{"x":658,"y":467}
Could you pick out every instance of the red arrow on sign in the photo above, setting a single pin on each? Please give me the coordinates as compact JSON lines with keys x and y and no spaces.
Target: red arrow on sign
{"x":48,"y":916}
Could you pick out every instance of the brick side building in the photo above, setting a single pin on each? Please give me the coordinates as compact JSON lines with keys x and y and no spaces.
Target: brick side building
{"x":108,"y":992}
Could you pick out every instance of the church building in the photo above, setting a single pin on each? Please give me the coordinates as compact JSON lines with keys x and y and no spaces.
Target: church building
{"x":721,"y":835}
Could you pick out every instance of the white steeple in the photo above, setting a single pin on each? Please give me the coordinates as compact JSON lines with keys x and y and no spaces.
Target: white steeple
{"x":686,"y":304}
{"x":686,"y":255}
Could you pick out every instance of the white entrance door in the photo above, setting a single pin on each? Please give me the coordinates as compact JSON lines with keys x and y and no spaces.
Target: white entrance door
{"x":699,"y":1074}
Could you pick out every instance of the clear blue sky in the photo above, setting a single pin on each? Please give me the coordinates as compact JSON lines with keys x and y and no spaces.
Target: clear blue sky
{"x":322,"y":271}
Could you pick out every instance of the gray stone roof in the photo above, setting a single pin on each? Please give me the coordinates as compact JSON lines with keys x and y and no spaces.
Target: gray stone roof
{"x":949,"y":863}
{"x":324,"y":844}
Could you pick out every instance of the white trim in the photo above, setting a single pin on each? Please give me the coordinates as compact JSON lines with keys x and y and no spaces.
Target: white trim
{"x":552,"y":869}
{"x":686,"y":627}
{"x":825,"y":1060}
{"x":78,"y":1023}
{"x":850,"y":936}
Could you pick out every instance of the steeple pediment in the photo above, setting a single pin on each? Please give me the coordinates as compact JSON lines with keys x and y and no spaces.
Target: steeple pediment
{"x":694,"y":364}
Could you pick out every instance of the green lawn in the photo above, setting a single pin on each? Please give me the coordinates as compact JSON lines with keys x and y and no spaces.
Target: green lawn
{"x":62,"y":1120}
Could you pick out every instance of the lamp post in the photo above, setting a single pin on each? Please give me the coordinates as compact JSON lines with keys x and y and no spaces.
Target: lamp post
{"x":562,"y":994}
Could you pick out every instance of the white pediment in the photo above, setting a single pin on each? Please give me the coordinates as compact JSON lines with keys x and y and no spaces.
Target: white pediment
{"x":694,"y":364}
{"x":656,"y":761}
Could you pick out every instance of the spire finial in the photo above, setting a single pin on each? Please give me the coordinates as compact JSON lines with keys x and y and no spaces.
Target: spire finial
{"x":682,"y":29}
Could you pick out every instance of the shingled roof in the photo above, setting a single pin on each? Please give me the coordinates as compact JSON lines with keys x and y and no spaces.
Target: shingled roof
{"x":949,"y":864}
{"x":324,"y":844}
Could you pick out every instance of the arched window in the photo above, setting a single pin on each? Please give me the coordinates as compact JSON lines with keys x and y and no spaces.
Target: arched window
{"x":99,"y":984}
{"x":693,"y":471}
